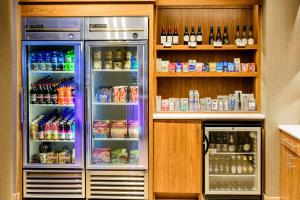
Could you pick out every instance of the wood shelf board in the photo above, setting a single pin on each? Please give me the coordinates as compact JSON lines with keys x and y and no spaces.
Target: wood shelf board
{"x":205,"y":3}
{"x":87,"y":1}
{"x":206,"y":74}
{"x":206,"y":48}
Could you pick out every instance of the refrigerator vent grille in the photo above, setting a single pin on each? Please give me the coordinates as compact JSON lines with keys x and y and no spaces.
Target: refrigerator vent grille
{"x":119,"y":185}
{"x":53,"y":184}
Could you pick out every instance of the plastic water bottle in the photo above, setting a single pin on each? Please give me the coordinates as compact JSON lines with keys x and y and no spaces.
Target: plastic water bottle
{"x":33,"y":62}
{"x":47,"y":61}
{"x":40,"y":61}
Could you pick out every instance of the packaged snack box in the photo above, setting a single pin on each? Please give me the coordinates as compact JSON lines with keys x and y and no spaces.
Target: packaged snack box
{"x":101,"y":155}
{"x":133,"y":128}
{"x":179,"y":67}
{"x":244,"y":67}
{"x":172,"y":67}
{"x":133,"y":93}
{"x":134,"y":156}
{"x":100,"y":128}
{"x":212,"y":66}
{"x":119,"y":156}
{"x":118,"y":128}
{"x":165,"y":105}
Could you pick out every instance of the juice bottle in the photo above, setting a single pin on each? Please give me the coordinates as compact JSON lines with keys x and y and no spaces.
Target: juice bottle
{"x":72,"y":65}
{"x":68,"y":60}
{"x":47,"y":131}
{"x":54,"y":61}
{"x":54,"y":130}
{"x":61,"y":61}
{"x":60,"y":96}
{"x":67,"y":95}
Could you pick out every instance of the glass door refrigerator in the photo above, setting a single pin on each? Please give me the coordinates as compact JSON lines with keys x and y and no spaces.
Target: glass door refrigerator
{"x":53,"y":107}
{"x":117,"y":106}
{"x":232,"y":162}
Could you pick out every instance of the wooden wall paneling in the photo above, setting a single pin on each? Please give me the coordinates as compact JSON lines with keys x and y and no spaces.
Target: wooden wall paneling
{"x":170,"y":3}
{"x":80,"y":10}
{"x":257,"y":35}
{"x":204,"y":17}
{"x":207,"y":87}
{"x":177,"y":157}
{"x":207,"y":56}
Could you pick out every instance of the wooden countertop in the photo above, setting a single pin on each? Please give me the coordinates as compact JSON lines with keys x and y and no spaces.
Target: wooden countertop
{"x":292,"y":130}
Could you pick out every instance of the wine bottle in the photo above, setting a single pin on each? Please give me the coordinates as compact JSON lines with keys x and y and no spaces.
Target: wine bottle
{"x":186,"y":35}
{"x":250,"y":36}
{"x":225,"y":36}
{"x":219,"y":37}
{"x":244,"y":35}
{"x":193,"y":35}
{"x":237,"y":36}
{"x":175,"y":36}
{"x":199,"y":36}
{"x":169,"y":35}
{"x":211,"y":36}
{"x":163,"y":35}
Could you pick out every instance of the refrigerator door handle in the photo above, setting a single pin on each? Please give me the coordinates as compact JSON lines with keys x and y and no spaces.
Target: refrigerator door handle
{"x":22,"y":105}
{"x":206,"y":141}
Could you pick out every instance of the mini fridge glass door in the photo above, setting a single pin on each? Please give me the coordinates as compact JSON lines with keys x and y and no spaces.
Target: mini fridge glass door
{"x":52,"y":104}
{"x":117,"y":104}
{"x":233,"y":161}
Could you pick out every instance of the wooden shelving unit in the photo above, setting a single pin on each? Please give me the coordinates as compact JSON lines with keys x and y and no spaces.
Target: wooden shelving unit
{"x":206,"y":74}
{"x":207,"y":48}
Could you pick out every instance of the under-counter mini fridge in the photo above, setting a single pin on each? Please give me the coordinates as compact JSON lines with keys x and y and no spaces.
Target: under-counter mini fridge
{"x":116,"y":57}
{"x":232,"y":160}
{"x":53,"y":108}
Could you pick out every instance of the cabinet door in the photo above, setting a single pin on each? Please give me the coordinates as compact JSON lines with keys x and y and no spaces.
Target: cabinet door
{"x":177,"y":156}
{"x":297,"y":176}
{"x":283,"y":173}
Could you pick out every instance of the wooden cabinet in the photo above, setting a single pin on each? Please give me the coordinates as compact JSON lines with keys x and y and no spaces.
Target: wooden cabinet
{"x":289,"y":169}
{"x":177,"y":156}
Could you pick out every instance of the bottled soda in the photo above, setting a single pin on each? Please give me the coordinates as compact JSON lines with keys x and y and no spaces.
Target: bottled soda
{"x":54,"y":130}
{"x":61,"y":61}
{"x":61,"y":132}
{"x":48,"y":132}
{"x":53,"y":94}
{"x":46,"y":94}
{"x":32,"y":94}
{"x":72,"y":65}
{"x":47,"y":61}
{"x":33,"y":62}
{"x":54,"y":61}
{"x":40,"y":61}
{"x":68,"y":61}
{"x":39,"y":95}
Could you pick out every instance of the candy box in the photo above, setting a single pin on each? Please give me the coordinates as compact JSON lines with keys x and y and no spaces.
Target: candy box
{"x":177,"y":104}
{"x":214,"y":105}
{"x":203,"y":104}
{"x":231,"y":67}
{"x":172,"y":67}
{"x":171,"y":104}
{"x":100,"y":128}
{"x":178,"y":67}
{"x":199,"y":67}
{"x":232,"y":102}
{"x":244,"y":67}
{"x":133,"y":93}
{"x":184,"y":104}
{"x":185,"y":67}
{"x":219,"y":67}
{"x":205,"y":68}
{"x":251,"y":67}
{"x":192,"y":65}
{"x":165,"y":66}
{"x":101,"y":155}
{"x":237,"y":64}
{"x":208,"y":103}
{"x":158,"y":64}
{"x":225,"y":66}
{"x":165,"y":105}
{"x":212,"y":66}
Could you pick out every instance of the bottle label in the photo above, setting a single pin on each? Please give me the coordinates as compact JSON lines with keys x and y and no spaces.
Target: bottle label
{"x":54,"y":135}
{"x":239,"y":169}
{"x":233,"y":169}
{"x":199,"y":38}
{"x":238,"y":41}
{"x":48,"y":135}
{"x":211,"y":42}
{"x":186,"y":38}
{"x":33,"y":98}
{"x":231,"y":148}
{"x":169,"y":39}
{"x":246,"y":147}
{"x":175,"y":40}
{"x":39,"y":98}
{"x":250,"y":41}
{"x":53,"y":98}
{"x":192,"y":38}
{"x":41,"y":135}
{"x":244,"y":41}
{"x":224,"y":147}
{"x":46,"y":98}
{"x":163,"y":39}
{"x":226,"y":41}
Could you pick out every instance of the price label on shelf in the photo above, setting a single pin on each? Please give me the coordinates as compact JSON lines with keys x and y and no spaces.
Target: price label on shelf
{"x":217,"y":44}
{"x":192,"y":44}
{"x":167,"y":44}
{"x":241,"y":44}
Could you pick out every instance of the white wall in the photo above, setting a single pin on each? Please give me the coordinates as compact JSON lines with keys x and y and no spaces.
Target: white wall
{"x":280,"y":78}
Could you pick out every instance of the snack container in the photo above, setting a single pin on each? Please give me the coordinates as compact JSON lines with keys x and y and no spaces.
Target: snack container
{"x":205,"y":68}
{"x":225,"y":66}
{"x":158,"y":103}
{"x":171,"y":104}
{"x":214,"y":105}
{"x":172,"y":67}
{"x":219,"y":67}
{"x":203,"y":104}
{"x":118,"y":128}
{"x":133,"y":94}
{"x":100,"y":128}
{"x":165,"y":105}
{"x":244,"y":67}
{"x":184,"y":104}
{"x":133,"y":128}
{"x":232,"y":102}
{"x":165,"y":66}
{"x":177,"y":104}
{"x":237,"y":64}
{"x":185,"y":67}
{"x":178,"y":67}
{"x":251,"y":67}
{"x":231,"y":67}
{"x":101,"y":155}
{"x":199,"y":67}
{"x":208,"y":103}
{"x":158,"y":64}
{"x":212,"y":66}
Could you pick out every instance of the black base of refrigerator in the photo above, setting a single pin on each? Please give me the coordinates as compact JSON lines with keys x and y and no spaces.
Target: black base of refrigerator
{"x":230,"y":197}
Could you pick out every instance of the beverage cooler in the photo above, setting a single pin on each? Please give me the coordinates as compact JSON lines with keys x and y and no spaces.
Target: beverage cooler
{"x":116,"y":56}
{"x":53,"y":107}
{"x":232,"y":161}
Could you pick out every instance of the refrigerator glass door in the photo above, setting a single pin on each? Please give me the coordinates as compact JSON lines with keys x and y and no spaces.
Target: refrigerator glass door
{"x":53,"y":107}
{"x":233,"y":163}
{"x":117,"y":105}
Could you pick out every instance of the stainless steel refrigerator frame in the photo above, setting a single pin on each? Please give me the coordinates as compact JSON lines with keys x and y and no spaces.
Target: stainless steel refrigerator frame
{"x":258,"y":152}
{"x":79,"y":135}
{"x":142,"y":46}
